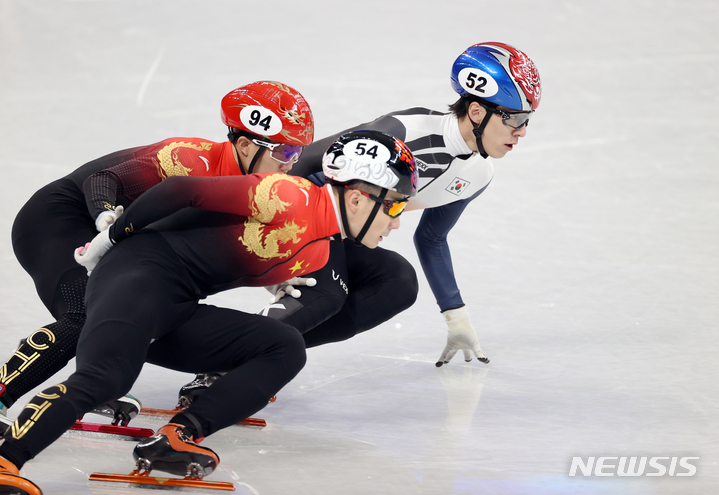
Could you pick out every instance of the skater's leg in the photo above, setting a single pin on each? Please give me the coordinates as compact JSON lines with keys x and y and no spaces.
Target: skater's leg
{"x":259,"y":355}
{"x":47,"y":350}
{"x":117,"y":354}
{"x":46,"y":254}
{"x":316,"y":305}
{"x":381,"y":284}
{"x":129,"y":303}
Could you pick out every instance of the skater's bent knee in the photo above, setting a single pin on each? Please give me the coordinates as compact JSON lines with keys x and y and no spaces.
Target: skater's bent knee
{"x":294,"y":355}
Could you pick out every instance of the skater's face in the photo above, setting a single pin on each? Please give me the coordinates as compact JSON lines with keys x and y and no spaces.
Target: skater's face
{"x":271,"y":161}
{"x":498,"y":138}
{"x":362,"y":205}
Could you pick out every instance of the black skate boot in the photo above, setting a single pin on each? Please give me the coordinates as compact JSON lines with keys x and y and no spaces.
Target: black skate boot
{"x":190,"y":392}
{"x":173,"y":451}
{"x":121,"y":410}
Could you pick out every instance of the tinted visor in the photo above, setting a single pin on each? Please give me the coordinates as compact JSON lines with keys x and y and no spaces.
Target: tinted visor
{"x":515,"y":119}
{"x":283,"y":153}
{"x":392,"y":207}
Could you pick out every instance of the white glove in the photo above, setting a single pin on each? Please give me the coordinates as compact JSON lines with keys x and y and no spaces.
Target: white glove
{"x":107,"y":218}
{"x":288,"y":287}
{"x":89,"y":254}
{"x":460,"y":335}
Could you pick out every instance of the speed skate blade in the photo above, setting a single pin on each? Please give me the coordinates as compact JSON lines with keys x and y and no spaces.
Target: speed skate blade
{"x":120,"y":432}
{"x":168,"y":413}
{"x":156,"y":482}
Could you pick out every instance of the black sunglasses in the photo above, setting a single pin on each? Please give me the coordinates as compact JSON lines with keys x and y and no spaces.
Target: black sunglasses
{"x":515,"y":120}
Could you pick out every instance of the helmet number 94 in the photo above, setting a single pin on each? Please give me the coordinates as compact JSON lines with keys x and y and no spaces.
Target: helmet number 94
{"x":255,"y":117}
{"x":260,"y":120}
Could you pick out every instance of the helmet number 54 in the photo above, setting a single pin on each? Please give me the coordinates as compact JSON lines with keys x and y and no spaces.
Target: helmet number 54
{"x":370,"y":151}
{"x":362,"y":150}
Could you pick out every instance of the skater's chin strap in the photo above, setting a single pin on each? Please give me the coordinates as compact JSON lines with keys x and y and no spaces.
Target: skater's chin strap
{"x":368,"y":222}
{"x":343,"y":213}
{"x":254,"y":161}
{"x":479,"y":129}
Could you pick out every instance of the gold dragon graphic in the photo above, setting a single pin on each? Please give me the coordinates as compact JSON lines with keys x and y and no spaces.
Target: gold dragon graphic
{"x":167,"y":162}
{"x":266,"y":203}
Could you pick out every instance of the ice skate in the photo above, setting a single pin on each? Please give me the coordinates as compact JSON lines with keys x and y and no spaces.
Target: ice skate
{"x":12,"y":483}
{"x":121,"y":410}
{"x":191,"y":391}
{"x":172,"y":450}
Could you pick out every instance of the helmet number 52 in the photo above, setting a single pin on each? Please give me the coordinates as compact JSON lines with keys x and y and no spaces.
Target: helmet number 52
{"x":476,"y":82}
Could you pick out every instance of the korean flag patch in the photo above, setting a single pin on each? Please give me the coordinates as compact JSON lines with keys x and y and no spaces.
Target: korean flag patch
{"x":457,"y":186}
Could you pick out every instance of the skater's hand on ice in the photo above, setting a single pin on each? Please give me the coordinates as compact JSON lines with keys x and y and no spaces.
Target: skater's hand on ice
{"x":289,"y":287}
{"x":460,"y":335}
{"x":89,"y":254}
{"x":107,"y":218}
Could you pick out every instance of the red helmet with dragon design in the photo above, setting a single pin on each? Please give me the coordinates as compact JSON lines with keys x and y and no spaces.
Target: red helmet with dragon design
{"x":272,"y":110}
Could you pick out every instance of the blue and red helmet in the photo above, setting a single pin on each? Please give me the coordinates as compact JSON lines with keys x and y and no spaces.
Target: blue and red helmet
{"x":499,"y":74}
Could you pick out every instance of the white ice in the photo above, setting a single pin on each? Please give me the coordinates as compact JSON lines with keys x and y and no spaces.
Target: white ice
{"x":589,"y":265}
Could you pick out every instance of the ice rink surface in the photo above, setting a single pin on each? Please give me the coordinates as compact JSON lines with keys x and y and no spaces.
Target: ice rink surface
{"x":589,"y":266}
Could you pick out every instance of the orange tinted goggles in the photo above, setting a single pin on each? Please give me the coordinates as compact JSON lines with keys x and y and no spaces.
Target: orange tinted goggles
{"x":392,"y":207}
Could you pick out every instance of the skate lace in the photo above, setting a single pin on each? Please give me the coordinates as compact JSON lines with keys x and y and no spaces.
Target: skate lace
{"x":182,"y":432}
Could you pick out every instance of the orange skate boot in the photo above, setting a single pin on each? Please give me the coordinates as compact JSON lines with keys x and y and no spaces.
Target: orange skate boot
{"x":12,"y":483}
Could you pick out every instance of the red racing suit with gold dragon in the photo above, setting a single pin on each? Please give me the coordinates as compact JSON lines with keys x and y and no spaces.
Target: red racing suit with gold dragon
{"x":255,"y":230}
{"x":127,"y":174}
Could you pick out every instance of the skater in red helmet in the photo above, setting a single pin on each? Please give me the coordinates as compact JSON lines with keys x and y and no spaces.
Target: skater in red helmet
{"x":269,"y":124}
